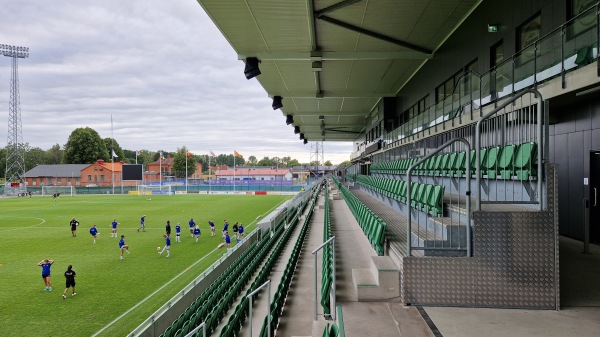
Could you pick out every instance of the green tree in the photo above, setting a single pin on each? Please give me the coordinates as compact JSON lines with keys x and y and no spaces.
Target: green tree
{"x":111,"y":143}
{"x":328,"y":163}
{"x":84,"y":146}
{"x":266,"y":161}
{"x":54,"y":155}
{"x":293,"y":162}
{"x":179,"y":163}
{"x":252,"y":160}
{"x":33,"y":157}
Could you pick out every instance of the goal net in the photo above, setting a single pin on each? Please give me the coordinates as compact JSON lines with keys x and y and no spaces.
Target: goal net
{"x":154,"y":189}
{"x":67,"y":191}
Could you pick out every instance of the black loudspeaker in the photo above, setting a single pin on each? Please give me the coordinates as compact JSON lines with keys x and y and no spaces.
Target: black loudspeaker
{"x":306,"y":141}
{"x":277,"y":104}
{"x":251,"y":70}
{"x":301,"y":136}
{"x":289,"y":119}
{"x":296,"y":129}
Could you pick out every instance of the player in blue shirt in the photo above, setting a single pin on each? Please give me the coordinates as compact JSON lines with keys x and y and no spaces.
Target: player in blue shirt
{"x":227,"y":240}
{"x":114,"y":228}
{"x":142,"y":223}
{"x":45,"y":264}
{"x":212,"y":228}
{"x":192,"y":225}
{"x":178,"y":233}
{"x":197,"y":233}
{"x":225,"y":226}
{"x":123,"y":246}
{"x":94,"y":232}
{"x":167,"y":246}
{"x":241,"y":231}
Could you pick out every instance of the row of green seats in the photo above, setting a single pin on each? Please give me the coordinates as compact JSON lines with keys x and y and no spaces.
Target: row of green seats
{"x":276,"y":305}
{"x":512,"y":161}
{"x":373,"y":227}
{"x":327,"y":265}
{"x":425,"y":197}
{"x":240,"y":313}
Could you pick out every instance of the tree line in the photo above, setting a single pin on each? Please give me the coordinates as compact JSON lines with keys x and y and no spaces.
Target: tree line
{"x":85,"y":146}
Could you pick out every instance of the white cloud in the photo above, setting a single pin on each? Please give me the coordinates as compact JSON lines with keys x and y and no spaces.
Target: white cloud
{"x":161,"y":69}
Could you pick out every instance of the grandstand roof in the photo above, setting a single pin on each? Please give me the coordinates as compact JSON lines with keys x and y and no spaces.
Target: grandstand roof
{"x":333,"y":61}
{"x":56,"y":170}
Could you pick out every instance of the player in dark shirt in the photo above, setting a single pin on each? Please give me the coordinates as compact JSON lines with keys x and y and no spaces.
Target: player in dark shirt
{"x":70,"y":282}
{"x":74,"y":225}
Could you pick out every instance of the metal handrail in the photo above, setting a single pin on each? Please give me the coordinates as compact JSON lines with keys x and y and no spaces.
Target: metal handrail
{"x":203,"y":326}
{"x":268,"y":285}
{"x":539,"y":111}
{"x":467,"y":193}
{"x":315,"y":253}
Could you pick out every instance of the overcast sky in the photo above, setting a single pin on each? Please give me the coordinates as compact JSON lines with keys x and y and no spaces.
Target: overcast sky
{"x":161,"y":68}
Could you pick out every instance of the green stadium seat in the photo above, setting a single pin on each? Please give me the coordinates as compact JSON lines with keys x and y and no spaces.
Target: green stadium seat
{"x":439,"y":170}
{"x":491,"y":162}
{"x":505,"y":161}
{"x":447,"y":171}
{"x":524,"y":162}
{"x":459,"y":168}
{"x":435,"y":204}
{"x":423,"y":200}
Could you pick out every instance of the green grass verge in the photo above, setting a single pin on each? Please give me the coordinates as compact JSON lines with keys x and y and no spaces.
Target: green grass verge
{"x":32,"y":229}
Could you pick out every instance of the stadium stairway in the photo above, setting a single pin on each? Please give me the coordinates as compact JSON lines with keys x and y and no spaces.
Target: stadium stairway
{"x":353,"y":252}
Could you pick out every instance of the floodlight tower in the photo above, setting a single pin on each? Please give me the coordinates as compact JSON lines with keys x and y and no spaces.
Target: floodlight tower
{"x":15,"y":148}
{"x":316,"y":150}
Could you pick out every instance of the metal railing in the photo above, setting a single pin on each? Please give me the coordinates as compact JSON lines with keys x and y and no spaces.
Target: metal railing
{"x":504,"y":132}
{"x":249,"y":297}
{"x":568,"y":47}
{"x":316,"y":253}
{"x":201,"y":326}
{"x":445,"y":236}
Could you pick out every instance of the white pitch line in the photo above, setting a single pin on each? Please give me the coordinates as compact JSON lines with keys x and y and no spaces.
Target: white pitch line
{"x":17,"y":228}
{"x":150,"y":296}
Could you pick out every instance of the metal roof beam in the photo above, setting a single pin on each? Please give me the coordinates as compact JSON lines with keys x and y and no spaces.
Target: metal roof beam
{"x":338,"y":56}
{"x":332,"y":94}
{"x":374,"y":34}
{"x":336,"y":7}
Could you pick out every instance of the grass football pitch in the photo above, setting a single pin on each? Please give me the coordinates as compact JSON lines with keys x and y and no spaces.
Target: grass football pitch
{"x":32,"y":229}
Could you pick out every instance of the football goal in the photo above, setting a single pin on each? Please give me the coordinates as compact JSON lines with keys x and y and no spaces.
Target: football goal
{"x":154,"y":189}
{"x":67,"y":191}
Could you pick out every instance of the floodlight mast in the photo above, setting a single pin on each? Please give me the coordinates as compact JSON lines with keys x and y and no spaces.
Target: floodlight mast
{"x":15,"y":147}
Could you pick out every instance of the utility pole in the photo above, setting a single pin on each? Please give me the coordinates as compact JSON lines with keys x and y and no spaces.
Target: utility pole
{"x":15,"y":147}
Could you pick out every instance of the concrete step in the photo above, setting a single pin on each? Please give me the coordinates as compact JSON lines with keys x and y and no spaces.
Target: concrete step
{"x":380,"y":281}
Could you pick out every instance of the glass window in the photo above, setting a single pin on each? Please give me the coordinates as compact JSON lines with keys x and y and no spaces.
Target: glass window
{"x":89,"y":177}
{"x":496,"y":54}
{"x":102,"y":178}
{"x":529,"y":32}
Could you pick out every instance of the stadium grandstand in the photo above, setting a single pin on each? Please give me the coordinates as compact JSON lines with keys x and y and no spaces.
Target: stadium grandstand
{"x":472,"y":186}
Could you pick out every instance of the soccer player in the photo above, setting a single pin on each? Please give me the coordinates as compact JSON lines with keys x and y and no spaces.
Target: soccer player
{"x":45,"y":264}
{"x":94,"y":232}
{"x":241,"y":231}
{"x":235,"y":230}
{"x":212,"y":228}
{"x":192,"y":225}
{"x":142,"y":223}
{"x":168,"y":228}
{"x":74,"y":225}
{"x":178,"y":233}
{"x":227,"y":240}
{"x":114,"y":229}
{"x":167,"y":245}
{"x":225,"y":227}
{"x":70,"y":282}
{"x":123,"y":246}
{"x":197,"y":233}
